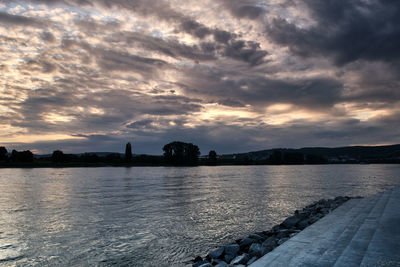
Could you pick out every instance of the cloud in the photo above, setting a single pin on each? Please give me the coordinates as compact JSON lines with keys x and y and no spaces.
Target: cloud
{"x":226,"y":138}
{"x":170,"y":48}
{"x":246,"y":51}
{"x":142,"y":124}
{"x":229,"y":44}
{"x":90,"y":25}
{"x":222,"y":36}
{"x":48,"y":37}
{"x":244,"y":9}
{"x":12,"y":20}
{"x":260,"y":91}
{"x":111,"y":59}
{"x":345,"y":31}
{"x":230,"y":102}
{"x":230,"y":75}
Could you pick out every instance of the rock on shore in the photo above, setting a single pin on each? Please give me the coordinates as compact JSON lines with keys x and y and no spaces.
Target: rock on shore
{"x":247,"y":250}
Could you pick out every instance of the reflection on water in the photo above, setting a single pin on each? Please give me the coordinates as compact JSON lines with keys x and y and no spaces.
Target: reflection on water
{"x":158,"y":216}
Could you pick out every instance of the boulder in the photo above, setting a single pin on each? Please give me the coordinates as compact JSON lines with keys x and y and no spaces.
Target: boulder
{"x":199,"y":263}
{"x":301,"y":214}
{"x":303,"y":224}
{"x":222,"y":264}
{"x":294,"y":230}
{"x":268,"y":233}
{"x":245,"y":243}
{"x":313,"y":219}
{"x":256,"y":249}
{"x":292,"y":235}
{"x":232,"y":249}
{"x":256,"y":237}
{"x":283,"y":233}
{"x":241,"y":259}
{"x":229,"y":257}
{"x":267,"y":249}
{"x":198,"y":258}
{"x":270,"y":242}
{"x":325,"y":210}
{"x":215,"y":254}
{"x":290,"y":222}
{"x":276,"y":228}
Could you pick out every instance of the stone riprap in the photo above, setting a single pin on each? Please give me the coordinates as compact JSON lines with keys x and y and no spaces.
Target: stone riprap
{"x":247,"y":250}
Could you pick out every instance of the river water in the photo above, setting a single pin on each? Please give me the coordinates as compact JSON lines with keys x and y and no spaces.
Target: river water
{"x":158,"y":216}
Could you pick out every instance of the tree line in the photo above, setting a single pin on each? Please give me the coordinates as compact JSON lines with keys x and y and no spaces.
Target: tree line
{"x":174,"y":154}
{"x":16,"y":156}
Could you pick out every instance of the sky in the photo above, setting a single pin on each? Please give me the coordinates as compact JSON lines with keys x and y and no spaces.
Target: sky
{"x":228,"y":75}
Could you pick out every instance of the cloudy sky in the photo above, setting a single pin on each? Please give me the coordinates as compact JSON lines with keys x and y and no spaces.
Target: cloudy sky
{"x":229,"y":75}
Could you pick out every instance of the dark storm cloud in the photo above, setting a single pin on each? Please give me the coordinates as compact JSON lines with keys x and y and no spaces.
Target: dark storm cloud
{"x":142,"y":124}
{"x":39,"y":65}
{"x":230,"y":102}
{"x":228,"y":43}
{"x":245,"y":51}
{"x":313,"y":93}
{"x":222,"y":36}
{"x":375,"y":87}
{"x":88,"y":25}
{"x":194,"y":28}
{"x":163,"y":108}
{"x":48,"y":37}
{"x":19,"y":20}
{"x":244,"y":9}
{"x":112,"y":59}
{"x":70,"y":98}
{"x":344,"y":30}
{"x":170,"y":48}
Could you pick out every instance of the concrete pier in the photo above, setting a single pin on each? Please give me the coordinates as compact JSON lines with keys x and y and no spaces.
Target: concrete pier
{"x":361,"y":232}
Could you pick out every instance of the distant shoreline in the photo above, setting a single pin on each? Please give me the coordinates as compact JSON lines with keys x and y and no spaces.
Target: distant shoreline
{"x":175,"y":155}
{"x":101,"y":165}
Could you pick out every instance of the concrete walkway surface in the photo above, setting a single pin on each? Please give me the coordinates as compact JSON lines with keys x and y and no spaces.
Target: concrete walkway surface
{"x":361,"y":232}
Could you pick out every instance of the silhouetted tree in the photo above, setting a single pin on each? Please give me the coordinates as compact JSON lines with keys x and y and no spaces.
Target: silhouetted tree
{"x":3,"y":153}
{"x":113,"y":158}
{"x":23,"y":156}
{"x":90,"y":158}
{"x":180,"y":153}
{"x":293,"y":158}
{"x":14,"y":155}
{"x":58,"y":156}
{"x":276,"y":157}
{"x":315,"y":159}
{"x":212,"y":157}
{"x":128,"y":152}
{"x":148,"y":160}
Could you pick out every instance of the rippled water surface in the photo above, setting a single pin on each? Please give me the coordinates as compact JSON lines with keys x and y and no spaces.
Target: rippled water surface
{"x":158,"y":216}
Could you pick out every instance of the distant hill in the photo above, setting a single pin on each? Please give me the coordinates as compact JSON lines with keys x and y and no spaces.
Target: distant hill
{"x":368,"y":154}
{"x":99,"y":154}
{"x":276,"y":156}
